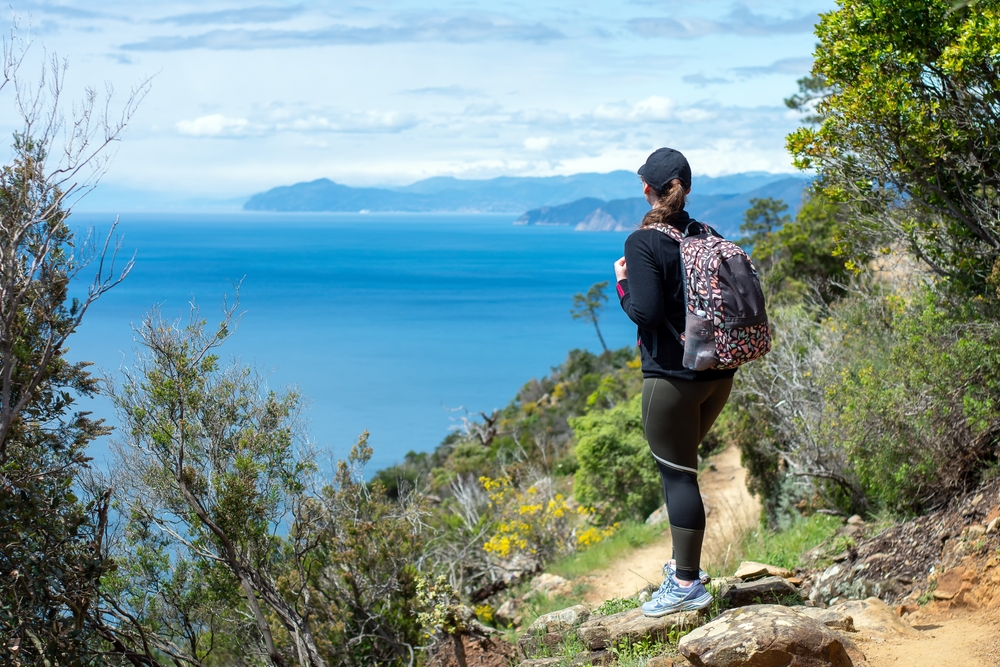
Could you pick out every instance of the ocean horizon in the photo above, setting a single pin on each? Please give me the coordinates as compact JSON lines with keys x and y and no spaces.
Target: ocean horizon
{"x":399,"y":324}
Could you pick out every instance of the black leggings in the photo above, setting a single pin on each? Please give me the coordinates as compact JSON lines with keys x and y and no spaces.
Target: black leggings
{"x":676,"y":416}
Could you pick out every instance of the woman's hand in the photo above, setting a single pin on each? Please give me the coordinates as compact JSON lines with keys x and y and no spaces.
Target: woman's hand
{"x":621,"y":271}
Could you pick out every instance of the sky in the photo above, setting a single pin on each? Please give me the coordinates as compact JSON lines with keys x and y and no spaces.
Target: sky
{"x":248,"y":96}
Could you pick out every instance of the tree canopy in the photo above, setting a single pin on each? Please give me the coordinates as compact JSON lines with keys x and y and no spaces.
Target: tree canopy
{"x":908,"y":124}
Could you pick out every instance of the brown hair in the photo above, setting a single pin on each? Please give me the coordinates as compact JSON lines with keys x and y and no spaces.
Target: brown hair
{"x":670,"y":201}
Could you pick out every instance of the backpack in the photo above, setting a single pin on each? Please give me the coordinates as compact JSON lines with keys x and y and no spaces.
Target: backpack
{"x":726,"y":324}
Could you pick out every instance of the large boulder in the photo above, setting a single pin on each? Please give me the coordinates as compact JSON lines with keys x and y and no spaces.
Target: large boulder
{"x":603,"y":631}
{"x":769,"y":590}
{"x":874,"y":618}
{"x":548,"y":584}
{"x":768,"y":636}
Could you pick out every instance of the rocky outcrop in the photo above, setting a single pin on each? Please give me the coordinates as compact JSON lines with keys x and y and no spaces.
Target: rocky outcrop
{"x":768,"y":635}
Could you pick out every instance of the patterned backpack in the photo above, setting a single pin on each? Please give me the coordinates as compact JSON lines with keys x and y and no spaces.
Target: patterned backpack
{"x":726,"y":323}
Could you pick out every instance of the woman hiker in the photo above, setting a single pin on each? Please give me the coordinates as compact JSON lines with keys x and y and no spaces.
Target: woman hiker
{"x":678,"y":405}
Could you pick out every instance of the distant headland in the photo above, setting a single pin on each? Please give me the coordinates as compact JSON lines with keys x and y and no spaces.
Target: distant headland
{"x":588,"y":202}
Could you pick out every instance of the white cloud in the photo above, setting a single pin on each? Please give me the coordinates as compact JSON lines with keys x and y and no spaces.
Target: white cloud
{"x":538,"y":143}
{"x":213,"y":125}
{"x":652,"y":109}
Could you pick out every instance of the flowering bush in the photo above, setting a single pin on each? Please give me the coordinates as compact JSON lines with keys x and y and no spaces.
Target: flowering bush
{"x":537,"y":521}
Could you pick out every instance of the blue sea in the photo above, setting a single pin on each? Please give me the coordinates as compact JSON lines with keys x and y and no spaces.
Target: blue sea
{"x":397,"y":324}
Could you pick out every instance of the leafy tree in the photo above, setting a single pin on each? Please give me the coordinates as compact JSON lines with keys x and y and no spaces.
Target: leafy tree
{"x":587,"y":307}
{"x":909,"y":135}
{"x":233,"y":551}
{"x":763,"y":218}
{"x":209,"y":457}
{"x":798,"y":257}
{"x":51,"y":538}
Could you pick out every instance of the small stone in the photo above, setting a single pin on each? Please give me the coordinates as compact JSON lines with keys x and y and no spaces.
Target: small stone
{"x":505,"y":615}
{"x":994,"y":526}
{"x":978,"y":499}
{"x":976,"y":531}
{"x":558,"y":621}
{"x":549,"y":630}
{"x":548,"y":583}
{"x":908,"y":608}
{"x":749,"y":570}
{"x":856,"y":520}
{"x":644,"y":596}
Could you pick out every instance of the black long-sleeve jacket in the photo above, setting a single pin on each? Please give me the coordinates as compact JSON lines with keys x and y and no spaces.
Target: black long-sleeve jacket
{"x":654,"y":294}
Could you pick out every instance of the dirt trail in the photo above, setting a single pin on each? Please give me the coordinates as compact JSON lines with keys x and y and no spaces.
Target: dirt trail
{"x":957,"y":639}
{"x":731,"y":511}
{"x":950,"y":636}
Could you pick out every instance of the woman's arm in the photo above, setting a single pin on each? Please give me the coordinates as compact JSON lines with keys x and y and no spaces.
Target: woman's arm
{"x":640,"y":293}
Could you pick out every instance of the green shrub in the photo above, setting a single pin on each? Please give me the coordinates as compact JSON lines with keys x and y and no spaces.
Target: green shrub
{"x":888,"y":402}
{"x":616,"y":475}
{"x":917,"y":415}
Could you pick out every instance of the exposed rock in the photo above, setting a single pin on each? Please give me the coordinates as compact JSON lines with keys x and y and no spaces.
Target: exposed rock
{"x":767,"y":636}
{"x":549,"y":630}
{"x":468,"y":650}
{"x":874,"y":618}
{"x":856,"y":520}
{"x":835,"y":617}
{"x":530,"y":644}
{"x":894,"y":564}
{"x":559,"y":621}
{"x":658,"y":516}
{"x":769,"y":590}
{"x":549,"y":584}
{"x":541,"y":662}
{"x":603,"y":631}
{"x":749,"y":570}
{"x":508,"y":611}
{"x":953,"y":584}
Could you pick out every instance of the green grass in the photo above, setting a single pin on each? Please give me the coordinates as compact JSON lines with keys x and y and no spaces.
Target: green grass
{"x":617,"y":605}
{"x":785,"y":548}
{"x":629,"y":536}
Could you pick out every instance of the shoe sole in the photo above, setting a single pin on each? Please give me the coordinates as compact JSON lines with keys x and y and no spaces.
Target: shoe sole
{"x":686,"y":605}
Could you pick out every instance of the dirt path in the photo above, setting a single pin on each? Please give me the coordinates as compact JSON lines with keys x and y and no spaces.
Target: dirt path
{"x":731,"y":511}
{"x":958,"y":639}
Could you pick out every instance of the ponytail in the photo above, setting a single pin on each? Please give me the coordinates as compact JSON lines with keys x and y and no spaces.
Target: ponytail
{"x":669,"y":201}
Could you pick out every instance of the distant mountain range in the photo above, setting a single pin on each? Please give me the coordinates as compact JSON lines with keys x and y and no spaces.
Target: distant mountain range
{"x":605,"y":192}
{"x":722,"y":211}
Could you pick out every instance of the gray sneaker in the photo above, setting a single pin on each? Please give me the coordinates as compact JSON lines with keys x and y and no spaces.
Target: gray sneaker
{"x":678,"y":598}
{"x":668,"y":578}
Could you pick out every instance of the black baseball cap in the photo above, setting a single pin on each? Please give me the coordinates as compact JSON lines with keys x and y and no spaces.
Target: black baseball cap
{"x":663,"y":166}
